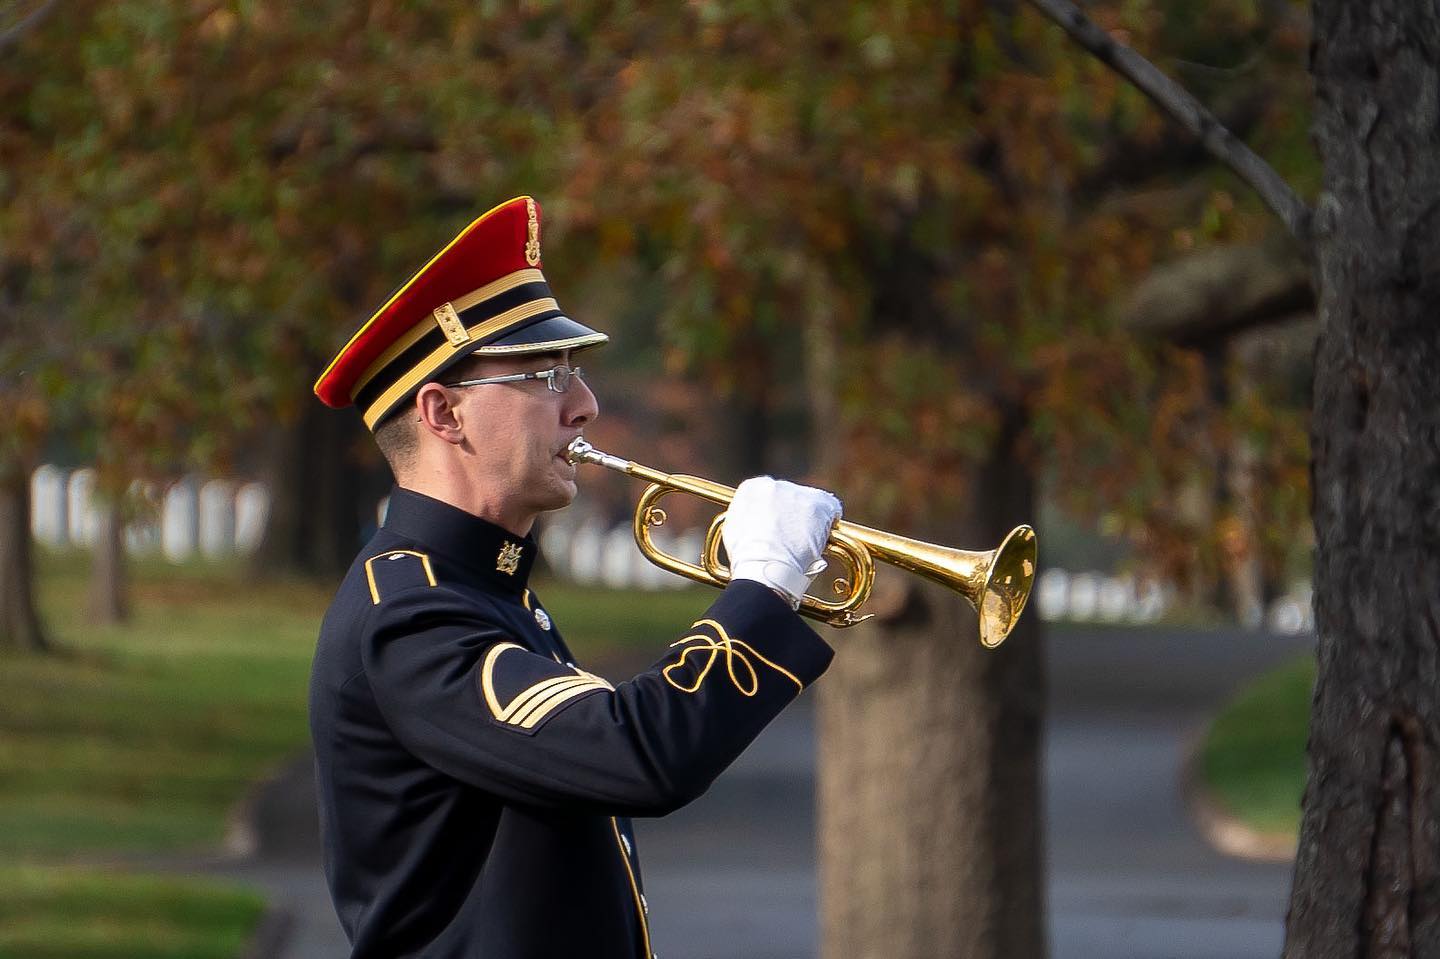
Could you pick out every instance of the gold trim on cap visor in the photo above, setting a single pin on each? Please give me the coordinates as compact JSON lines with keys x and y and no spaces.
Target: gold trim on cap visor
{"x":546,"y":346}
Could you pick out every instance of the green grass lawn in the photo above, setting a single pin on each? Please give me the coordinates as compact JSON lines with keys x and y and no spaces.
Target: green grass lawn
{"x":59,"y":913}
{"x":141,"y":737}
{"x":1253,"y":757}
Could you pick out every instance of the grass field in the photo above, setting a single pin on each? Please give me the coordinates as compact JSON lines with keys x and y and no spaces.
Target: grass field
{"x":60,"y":913}
{"x":141,"y":738}
{"x":1253,"y":758}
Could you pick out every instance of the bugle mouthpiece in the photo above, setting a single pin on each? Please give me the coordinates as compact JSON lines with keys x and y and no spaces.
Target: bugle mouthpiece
{"x":579,"y":451}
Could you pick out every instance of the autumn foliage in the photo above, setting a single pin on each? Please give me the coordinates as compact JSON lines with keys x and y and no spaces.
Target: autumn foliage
{"x":899,"y":230}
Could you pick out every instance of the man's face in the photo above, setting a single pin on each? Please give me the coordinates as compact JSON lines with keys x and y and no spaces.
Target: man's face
{"x":519,"y":431}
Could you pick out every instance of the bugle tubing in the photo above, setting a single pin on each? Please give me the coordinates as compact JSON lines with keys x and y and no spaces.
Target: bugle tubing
{"x":996,"y":582}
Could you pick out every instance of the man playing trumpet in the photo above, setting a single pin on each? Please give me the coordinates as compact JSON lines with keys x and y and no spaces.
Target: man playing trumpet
{"x":475,"y":784}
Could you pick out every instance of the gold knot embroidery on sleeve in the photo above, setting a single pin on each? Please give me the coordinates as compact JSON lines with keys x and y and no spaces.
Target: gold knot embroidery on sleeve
{"x":737,"y":655}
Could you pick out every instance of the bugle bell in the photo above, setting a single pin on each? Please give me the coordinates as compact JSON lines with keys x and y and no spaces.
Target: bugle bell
{"x":996,"y":582}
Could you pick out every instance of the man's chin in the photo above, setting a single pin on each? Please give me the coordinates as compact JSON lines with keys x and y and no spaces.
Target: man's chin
{"x":561,"y":496}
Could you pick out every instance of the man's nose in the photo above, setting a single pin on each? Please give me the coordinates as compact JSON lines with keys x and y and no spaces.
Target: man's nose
{"x":581,"y":406}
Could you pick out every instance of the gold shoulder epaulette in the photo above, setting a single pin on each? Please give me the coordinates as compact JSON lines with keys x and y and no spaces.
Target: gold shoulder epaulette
{"x":397,"y":569}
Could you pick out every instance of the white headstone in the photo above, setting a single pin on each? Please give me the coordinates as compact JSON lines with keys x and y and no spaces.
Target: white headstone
{"x":252,"y":509}
{"x":48,"y":506}
{"x":1117,"y":598}
{"x":1084,"y":596}
{"x":688,"y":546}
{"x":217,"y":519}
{"x":1286,"y":616}
{"x":586,"y":552}
{"x":651,"y":576}
{"x":555,"y":547}
{"x":180,"y":521}
{"x":618,"y":569}
{"x":80,"y":505}
{"x":1152,"y":600}
{"x":1052,"y":594}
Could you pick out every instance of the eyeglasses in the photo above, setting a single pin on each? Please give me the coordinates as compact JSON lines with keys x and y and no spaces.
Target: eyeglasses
{"x":557,"y":378}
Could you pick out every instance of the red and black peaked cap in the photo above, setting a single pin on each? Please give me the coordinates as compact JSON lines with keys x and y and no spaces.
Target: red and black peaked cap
{"x":482,"y":294}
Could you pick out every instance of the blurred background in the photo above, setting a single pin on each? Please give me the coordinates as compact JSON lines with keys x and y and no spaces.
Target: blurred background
{"x":933,"y":257}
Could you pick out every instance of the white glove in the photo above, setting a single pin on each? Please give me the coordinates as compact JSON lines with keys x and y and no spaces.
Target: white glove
{"x":775,"y":533}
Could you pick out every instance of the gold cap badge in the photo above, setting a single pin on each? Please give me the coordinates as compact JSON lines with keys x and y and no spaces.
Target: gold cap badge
{"x":532,"y":245}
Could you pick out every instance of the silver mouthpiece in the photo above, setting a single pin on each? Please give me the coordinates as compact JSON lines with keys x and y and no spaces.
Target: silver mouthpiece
{"x":580,"y":451}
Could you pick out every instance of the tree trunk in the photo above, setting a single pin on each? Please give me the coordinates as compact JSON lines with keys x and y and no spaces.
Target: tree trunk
{"x":1367,"y":874}
{"x":108,"y":581}
{"x":20,"y":626}
{"x":929,"y":768}
{"x":325,"y":480}
{"x":1240,"y":537}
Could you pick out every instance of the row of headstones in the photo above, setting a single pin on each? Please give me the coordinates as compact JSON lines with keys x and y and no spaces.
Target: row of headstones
{"x":217,"y":518}
{"x":1095,"y":597}
{"x":187,"y":519}
{"x":593,"y":553}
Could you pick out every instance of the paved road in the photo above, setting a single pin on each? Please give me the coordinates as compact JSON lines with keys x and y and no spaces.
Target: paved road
{"x":732,"y":875}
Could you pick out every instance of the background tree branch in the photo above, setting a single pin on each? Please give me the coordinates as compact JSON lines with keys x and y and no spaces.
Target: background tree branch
{"x":13,"y":35}
{"x":1178,"y":102}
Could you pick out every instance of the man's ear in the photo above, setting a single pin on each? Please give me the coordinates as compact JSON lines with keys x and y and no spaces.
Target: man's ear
{"x":438,"y":414}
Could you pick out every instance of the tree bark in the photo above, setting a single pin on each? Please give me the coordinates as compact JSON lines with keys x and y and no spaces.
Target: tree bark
{"x":929,"y":767}
{"x":325,"y":480}
{"x":20,"y":626}
{"x":108,"y":581}
{"x":1367,"y":874}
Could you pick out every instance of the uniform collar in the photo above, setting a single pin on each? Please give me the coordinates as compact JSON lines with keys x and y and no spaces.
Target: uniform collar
{"x":491,"y":551}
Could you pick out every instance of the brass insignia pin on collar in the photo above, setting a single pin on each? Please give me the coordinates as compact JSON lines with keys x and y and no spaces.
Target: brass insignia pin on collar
{"x":509,"y":559}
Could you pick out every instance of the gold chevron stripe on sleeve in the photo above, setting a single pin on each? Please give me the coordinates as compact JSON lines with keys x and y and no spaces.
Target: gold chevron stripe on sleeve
{"x":548,"y":706}
{"x":522,"y":703}
{"x":538,"y":700}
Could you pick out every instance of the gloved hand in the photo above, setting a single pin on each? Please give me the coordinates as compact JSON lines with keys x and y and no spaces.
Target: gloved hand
{"x":775,"y":533}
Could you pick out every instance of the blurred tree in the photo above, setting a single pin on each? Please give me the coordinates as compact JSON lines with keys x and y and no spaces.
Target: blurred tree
{"x":22,"y":417}
{"x":235,"y":187}
{"x":1367,"y":866}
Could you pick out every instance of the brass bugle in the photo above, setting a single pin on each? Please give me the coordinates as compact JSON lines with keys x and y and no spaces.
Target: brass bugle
{"x":996,"y":582}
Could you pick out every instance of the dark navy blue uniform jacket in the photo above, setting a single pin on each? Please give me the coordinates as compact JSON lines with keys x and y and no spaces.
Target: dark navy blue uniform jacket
{"x":475,"y":784}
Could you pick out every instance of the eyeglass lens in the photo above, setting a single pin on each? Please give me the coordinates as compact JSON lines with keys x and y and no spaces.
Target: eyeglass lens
{"x":560,"y":377}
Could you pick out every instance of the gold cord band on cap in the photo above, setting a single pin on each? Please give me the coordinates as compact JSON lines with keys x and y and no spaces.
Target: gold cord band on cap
{"x":426,"y":367}
{"x":494,"y":288}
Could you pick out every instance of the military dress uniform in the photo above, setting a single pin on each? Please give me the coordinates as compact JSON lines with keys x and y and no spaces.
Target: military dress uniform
{"x":475,"y":783}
